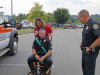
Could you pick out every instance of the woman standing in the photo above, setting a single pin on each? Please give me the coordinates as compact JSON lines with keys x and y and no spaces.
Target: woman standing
{"x":40,"y":24}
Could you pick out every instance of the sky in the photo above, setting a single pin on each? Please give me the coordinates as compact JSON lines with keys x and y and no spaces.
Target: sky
{"x":74,"y":6}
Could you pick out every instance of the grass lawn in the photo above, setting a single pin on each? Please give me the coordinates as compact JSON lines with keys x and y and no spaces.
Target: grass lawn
{"x":30,"y":30}
{"x":25,"y":31}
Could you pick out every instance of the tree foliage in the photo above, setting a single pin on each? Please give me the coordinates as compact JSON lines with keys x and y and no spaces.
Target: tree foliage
{"x":51,"y":18}
{"x":37,"y":11}
{"x":20,"y":17}
{"x":61,"y":15}
{"x":2,"y":13}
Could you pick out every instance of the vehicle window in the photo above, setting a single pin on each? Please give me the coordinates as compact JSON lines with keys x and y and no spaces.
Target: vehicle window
{"x":13,"y":22}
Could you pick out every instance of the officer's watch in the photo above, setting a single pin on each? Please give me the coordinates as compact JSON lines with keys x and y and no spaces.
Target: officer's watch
{"x":90,"y":48}
{"x":34,"y":54}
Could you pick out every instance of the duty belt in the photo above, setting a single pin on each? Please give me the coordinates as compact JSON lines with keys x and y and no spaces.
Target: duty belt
{"x":96,"y":49}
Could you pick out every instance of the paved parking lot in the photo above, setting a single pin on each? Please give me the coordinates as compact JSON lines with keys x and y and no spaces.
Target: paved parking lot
{"x":66,"y":54}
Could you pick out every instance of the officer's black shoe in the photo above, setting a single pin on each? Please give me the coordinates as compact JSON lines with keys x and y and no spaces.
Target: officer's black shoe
{"x":31,"y":66}
{"x":45,"y":69}
{"x":41,"y":68}
{"x":34,"y":72}
{"x":42,"y":73}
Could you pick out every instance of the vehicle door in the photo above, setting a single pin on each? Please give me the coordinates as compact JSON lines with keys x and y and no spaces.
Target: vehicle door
{"x":4,"y":34}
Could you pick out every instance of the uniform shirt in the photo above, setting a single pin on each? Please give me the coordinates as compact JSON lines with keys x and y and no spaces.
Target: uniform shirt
{"x":47,"y":45}
{"x":90,"y":31}
{"x":47,"y":29}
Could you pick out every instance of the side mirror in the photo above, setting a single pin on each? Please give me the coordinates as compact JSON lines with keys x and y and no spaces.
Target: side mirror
{"x":13,"y":22}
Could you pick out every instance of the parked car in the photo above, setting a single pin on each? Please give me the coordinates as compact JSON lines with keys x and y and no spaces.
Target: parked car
{"x":24,"y":26}
{"x":80,"y":26}
{"x":19,"y":26}
{"x":31,"y":25}
{"x":73,"y":26}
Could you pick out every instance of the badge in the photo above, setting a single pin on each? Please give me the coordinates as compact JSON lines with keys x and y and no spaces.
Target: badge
{"x":95,"y":26}
{"x":51,"y":46}
{"x":87,"y":27}
{"x":44,"y":40}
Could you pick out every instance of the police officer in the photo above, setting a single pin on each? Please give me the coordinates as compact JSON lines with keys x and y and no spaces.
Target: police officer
{"x":38,"y":53}
{"x":90,"y":42}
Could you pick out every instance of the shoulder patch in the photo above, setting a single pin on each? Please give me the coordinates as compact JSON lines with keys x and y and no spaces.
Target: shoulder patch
{"x":95,"y":26}
{"x":87,"y":27}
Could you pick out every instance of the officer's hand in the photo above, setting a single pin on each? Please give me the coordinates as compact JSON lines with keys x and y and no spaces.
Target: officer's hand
{"x":87,"y":49}
{"x":41,"y":59}
{"x":37,"y":57}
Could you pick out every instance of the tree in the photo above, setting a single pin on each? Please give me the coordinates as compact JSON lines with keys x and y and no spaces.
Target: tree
{"x":2,"y":13}
{"x":20,"y":17}
{"x":14,"y":16}
{"x":61,"y":15}
{"x":51,"y":18}
{"x":37,"y":11}
{"x":69,"y":21}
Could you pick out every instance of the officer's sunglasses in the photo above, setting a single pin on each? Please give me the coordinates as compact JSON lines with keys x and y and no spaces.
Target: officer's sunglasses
{"x":38,"y":19}
{"x":41,"y":29}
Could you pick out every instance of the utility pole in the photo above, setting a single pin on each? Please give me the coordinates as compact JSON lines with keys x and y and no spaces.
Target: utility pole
{"x":11,"y":8}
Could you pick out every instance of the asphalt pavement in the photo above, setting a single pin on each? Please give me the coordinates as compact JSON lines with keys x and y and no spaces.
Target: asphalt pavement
{"x":66,"y":54}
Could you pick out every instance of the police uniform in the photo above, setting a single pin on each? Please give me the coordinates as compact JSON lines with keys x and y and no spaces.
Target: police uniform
{"x":40,"y":52}
{"x":89,"y":35}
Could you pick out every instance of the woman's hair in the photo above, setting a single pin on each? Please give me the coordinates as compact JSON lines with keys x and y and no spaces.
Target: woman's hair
{"x":39,"y":19}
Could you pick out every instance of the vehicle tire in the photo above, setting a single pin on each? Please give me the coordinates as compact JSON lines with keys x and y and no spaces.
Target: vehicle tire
{"x":14,"y":47}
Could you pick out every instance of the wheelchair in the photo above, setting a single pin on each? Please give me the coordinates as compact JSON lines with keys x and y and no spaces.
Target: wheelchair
{"x":38,"y":67}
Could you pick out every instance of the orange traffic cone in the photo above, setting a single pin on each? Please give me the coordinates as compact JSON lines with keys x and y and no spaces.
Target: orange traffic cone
{"x":63,"y":29}
{"x":54,"y":29}
{"x":76,"y":30}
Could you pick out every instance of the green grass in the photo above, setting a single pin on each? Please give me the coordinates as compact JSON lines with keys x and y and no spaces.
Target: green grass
{"x":25,"y":31}
{"x":30,"y":30}
{"x":58,"y":28}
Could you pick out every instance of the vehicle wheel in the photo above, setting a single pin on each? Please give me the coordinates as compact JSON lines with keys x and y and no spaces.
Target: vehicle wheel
{"x":14,"y":48}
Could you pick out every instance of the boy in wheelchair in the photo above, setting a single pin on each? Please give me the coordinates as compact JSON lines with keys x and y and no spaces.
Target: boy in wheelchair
{"x":39,"y":54}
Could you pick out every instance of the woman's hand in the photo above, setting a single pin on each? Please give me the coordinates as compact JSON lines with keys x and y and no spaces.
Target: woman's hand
{"x":36,"y":34}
